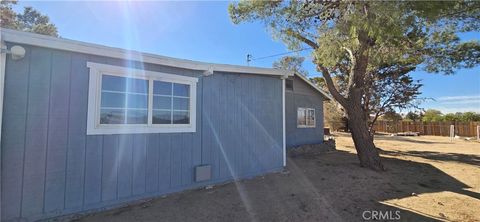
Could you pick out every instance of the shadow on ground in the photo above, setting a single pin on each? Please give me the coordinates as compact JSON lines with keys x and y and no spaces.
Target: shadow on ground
{"x":407,"y":139}
{"x":326,"y":187}
{"x":437,"y":156}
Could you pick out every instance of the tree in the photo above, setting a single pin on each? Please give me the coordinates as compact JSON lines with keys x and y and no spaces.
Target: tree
{"x":392,"y":116}
{"x":470,"y":117}
{"x":356,"y":41}
{"x":413,"y":116}
{"x":452,"y":117}
{"x":293,"y":63}
{"x":432,"y":115}
{"x":30,"y":20}
{"x":333,"y":115}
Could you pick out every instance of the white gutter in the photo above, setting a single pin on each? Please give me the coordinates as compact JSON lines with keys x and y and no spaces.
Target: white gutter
{"x":100,"y":50}
{"x":3,"y":60}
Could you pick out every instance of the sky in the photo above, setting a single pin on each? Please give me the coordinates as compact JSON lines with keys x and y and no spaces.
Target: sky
{"x":203,"y":31}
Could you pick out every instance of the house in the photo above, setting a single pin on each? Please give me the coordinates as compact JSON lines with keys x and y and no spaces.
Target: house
{"x":88,"y":127}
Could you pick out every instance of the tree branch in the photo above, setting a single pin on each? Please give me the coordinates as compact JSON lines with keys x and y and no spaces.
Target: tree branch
{"x":352,"y":73}
{"x":331,"y":86}
{"x":302,"y":38}
{"x":325,"y":73}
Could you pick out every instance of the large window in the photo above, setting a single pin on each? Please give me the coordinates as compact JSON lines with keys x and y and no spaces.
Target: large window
{"x":123,"y":100}
{"x":305,"y":117}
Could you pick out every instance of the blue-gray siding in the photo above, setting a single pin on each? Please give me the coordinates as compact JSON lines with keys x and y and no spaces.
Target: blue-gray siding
{"x":303,"y":95}
{"x":50,"y":167}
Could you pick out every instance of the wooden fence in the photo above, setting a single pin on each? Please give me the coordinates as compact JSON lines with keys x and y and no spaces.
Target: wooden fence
{"x":428,"y":128}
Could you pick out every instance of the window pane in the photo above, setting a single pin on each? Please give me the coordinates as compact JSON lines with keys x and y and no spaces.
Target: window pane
{"x":181,"y":117}
{"x":113,"y":83}
{"x":116,"y":100}
{"x":112,"y":116}
{"x":289,"y":84}
{"x":137,"y":101}
{"x":311,"y":117}
{"x":137,"y":116}
{"x":181,"y":103}
{"x":162,"y":88}
{"x":162,"y":102}
{"x":162,"y":117}
{"x":123,"y":84}
{"x":137,"y":85}
{"x":181,"y":90}
{"x":301,"y":118}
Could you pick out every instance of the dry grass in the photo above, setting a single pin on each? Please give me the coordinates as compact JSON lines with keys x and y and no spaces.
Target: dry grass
{"x":443,"y":175}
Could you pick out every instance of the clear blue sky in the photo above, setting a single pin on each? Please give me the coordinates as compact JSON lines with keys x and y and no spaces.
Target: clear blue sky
{"x":203,"y":31}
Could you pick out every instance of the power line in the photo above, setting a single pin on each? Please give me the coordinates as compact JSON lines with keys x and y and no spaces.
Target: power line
{"x":250,"y":57}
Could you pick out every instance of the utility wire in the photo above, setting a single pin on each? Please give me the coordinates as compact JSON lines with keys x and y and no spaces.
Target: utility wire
{"x":250,"y":58}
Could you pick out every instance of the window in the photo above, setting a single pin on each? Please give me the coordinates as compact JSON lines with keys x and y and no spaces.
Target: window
{"x":305,"y":118}
{"x":289,"y":84}
{"x":124,"y":100}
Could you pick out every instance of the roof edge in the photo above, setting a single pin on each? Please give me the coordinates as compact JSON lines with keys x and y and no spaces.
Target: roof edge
{"x":34,"y":39}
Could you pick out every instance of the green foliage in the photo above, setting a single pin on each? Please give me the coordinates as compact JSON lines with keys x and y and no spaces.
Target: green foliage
{"x":30,"y":20}
{"x":452,"y":117}
{"x":360,"y":43}
{"x":397,"y":32}
{"x":412,"y":116}
{"x":370,"y":48}
{"x":292,"y":63}
{"x":470,"y":117}
{"x":392,"y":116}
{"x":432,"y":115}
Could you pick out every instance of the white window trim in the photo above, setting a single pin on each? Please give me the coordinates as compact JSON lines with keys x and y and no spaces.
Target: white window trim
{"x":94,"y":93}
{"x":314,"y":118}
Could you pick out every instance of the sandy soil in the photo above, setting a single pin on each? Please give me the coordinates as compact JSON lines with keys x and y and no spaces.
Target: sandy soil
{"x":428,"y":179}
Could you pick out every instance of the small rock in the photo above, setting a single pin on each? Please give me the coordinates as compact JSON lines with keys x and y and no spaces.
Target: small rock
{"x":414,"y":194}
{"x":442,"y":215}
{"x":209,"y":187}
{"x":440,"y":203}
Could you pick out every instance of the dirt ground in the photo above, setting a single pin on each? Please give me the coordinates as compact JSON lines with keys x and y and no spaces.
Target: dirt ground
{"x":428,"y":178}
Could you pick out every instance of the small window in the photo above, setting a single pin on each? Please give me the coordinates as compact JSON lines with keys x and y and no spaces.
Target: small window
{"x":123,"y":100}
{"x":171,"y":103}
{"x":289,"y":84}
{"x":305,"y":117}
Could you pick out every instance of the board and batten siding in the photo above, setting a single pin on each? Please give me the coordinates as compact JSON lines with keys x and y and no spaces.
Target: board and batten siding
{"x":50,"y":167}
{"x":303,"y":95}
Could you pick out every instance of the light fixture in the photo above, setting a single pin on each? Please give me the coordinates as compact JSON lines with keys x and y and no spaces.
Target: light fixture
{"x":209,"y":71}
{"x":17,"y":52}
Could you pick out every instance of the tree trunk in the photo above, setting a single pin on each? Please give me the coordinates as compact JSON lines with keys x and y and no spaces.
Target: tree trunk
{"x":366,"y":151}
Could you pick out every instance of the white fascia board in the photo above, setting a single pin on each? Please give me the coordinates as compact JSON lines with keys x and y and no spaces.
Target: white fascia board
{"x":139,"y":72}
{"x":100,"y":50}
{"x":326,"y":95}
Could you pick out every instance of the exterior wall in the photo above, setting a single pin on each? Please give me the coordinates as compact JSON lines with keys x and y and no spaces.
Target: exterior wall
{"x":50,"y":166}
{"x":303,"y":95}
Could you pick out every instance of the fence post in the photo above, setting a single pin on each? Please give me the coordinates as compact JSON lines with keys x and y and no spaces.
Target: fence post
{"x":478,"y":133}
{"x":452,"y":132}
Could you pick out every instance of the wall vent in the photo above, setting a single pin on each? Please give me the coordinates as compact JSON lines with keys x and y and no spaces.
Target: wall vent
{"x":203,"y":173}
